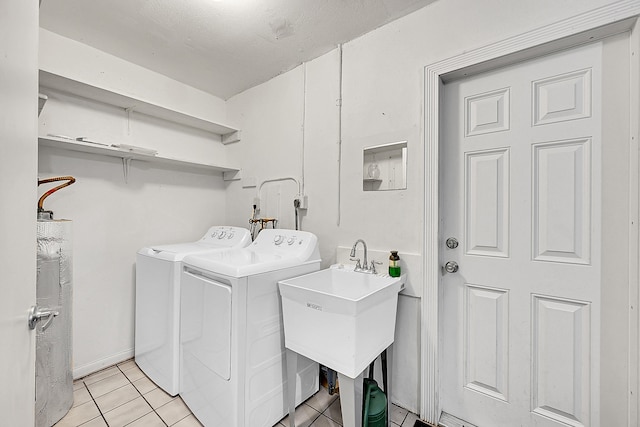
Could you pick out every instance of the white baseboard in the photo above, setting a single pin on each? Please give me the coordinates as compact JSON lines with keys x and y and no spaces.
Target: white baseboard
{"x":90,"y":368}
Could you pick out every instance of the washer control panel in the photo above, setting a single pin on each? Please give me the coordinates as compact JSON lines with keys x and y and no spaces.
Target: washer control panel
{"x":226,"y":235}
{"x":282,"y":240}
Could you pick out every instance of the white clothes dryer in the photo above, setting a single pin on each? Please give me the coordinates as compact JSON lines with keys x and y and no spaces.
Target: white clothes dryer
{"x":158,"y":301}
{"x":233,"y":370}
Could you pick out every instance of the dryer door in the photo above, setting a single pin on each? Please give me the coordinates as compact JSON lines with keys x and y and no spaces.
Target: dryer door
{"x":205,"y":329}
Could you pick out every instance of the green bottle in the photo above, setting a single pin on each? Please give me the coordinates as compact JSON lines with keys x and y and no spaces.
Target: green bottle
{"x":394,"y":264}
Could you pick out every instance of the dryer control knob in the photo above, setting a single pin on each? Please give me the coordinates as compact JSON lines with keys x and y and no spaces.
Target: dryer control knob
{"x":278,"y":239}
{"x":221,"y":235}
{"x":230,"y":236}
{"x":291,"y":240}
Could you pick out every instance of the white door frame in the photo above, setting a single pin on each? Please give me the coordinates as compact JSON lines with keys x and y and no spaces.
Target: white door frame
{"x":599,"y":23}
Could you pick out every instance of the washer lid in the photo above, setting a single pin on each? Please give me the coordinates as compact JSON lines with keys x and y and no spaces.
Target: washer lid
{"x":215,"y":239}
{"x":272,"y":250}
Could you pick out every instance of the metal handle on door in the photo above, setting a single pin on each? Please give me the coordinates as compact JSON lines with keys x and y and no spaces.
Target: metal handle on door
{"x":451,"y":267}
{"x":36,"y":314}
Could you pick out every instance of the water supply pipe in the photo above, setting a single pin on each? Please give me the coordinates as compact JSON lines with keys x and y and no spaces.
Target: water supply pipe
{"x":70,"y":180}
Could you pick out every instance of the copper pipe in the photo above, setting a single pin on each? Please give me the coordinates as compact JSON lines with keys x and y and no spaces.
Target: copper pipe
{"x":70,"y":180}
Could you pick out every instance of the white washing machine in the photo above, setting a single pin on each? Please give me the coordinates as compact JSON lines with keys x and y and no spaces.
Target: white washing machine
{"x":158,"y":301}
{"x":233,"y":370}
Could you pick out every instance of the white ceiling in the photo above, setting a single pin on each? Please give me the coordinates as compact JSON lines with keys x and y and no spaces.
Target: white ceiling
{"x":220,"y":46}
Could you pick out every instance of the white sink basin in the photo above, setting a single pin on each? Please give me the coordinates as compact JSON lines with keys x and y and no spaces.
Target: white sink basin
{"x":340,"y":318}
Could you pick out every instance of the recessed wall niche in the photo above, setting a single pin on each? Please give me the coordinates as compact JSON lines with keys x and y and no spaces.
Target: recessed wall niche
{"x":385,"y":167}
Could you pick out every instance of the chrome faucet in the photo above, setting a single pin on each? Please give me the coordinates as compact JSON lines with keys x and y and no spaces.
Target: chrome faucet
{"x":364,"y":268}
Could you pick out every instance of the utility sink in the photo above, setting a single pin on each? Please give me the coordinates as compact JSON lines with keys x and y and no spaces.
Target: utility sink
{"x":340,"y":318}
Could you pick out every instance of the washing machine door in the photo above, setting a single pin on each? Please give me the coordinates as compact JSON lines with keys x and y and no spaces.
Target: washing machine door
{"x":205,"y":329}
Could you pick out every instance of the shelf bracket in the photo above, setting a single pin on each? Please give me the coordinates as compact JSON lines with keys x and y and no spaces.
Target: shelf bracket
{"x":129,"y":110}
{"x":42,"y":99}
{"x":126,"y":165}
{"x":230,"y":137}
{"x":232,"y":175}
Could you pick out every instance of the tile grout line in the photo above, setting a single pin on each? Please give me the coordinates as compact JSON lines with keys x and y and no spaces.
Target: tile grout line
{"x":331,"y":418}
{"x":317,"y":416}
{"x":329,"y":404}
{"x":95,"y":403}
{"x":404,"y":418}
{"x":139,"y":393}
{"x":186,"y":416}
{"x":152,"y":408}
{"x":143,"y":398}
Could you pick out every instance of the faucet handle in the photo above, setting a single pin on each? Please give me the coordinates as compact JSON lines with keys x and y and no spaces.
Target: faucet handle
{"x":358,"y":266}
{"x":373,"y":266}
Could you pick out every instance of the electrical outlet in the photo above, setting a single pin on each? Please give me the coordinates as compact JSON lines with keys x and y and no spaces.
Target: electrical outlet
{"x":304,"y":202}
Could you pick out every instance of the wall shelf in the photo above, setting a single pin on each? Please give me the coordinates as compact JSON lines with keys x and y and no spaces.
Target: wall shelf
{"x":126,"y":156}
{"x":74,"y":87}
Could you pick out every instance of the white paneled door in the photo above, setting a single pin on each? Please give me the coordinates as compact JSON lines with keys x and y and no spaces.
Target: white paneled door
{"x":521,"y":196}
{"x":18,"y":175}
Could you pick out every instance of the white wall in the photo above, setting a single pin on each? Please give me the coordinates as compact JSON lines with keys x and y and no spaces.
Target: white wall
{"x":69,"y":58}
{"x":113,"y":218}
{"x":274,"y":142}
{"x":382,"y":100}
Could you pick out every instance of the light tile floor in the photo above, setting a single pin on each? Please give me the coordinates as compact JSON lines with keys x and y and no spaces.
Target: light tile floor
{"x":122,"y":395}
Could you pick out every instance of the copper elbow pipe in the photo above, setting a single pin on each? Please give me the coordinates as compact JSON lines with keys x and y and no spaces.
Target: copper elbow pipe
{"x":70,"y":180}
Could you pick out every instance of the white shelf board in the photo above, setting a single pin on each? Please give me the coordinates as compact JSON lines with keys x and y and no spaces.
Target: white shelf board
{"x":84,"y":90}
{"x":391,"y":146}
{"x":87,"y":147}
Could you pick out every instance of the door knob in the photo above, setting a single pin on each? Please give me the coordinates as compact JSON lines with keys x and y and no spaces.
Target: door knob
{"x":37,"y":314}
{"x":451,"y":267}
